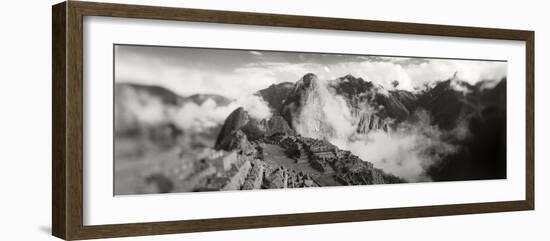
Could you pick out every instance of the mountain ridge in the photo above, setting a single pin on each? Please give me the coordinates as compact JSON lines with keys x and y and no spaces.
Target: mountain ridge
{"x":298,"y":145}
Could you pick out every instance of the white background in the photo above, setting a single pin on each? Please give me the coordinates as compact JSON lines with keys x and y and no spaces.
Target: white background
{"x":101,"y":33}
{"x":25,"y":123}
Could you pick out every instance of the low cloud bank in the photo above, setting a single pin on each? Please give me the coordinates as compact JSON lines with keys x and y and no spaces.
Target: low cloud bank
{"x":406,"y":151}
{"x":198,"y":75}
{"x":136,"y":108}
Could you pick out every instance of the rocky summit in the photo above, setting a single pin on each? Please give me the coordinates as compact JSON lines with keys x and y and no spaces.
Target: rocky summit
{"x":290,"y":160}
{"x":279,"y":159}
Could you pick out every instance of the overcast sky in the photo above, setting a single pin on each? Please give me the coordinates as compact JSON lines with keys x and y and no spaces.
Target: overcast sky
{"x":235,"y":73}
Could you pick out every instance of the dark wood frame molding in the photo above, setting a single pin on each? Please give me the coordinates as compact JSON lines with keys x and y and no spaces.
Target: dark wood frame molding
{"x":67,"y":123}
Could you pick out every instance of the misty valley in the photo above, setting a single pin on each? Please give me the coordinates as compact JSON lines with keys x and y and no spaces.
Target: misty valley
{"x":310,"y":131}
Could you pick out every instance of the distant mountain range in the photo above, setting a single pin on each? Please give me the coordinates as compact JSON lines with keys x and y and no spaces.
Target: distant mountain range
{"x":151,"y":112}
{"x":474,"y":116}
{"x":442,"y":100}
{"x":167,"y":96}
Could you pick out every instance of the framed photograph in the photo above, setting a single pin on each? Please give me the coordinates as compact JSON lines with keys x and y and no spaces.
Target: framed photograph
{"x":171,"y":120}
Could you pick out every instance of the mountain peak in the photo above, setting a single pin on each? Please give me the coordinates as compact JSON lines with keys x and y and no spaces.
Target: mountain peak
{"x":237,"y":119}
{"x":308,"y":81}
{"x":276,"y":94}
{"x":352,"y":79}
{"x":163,"y":94}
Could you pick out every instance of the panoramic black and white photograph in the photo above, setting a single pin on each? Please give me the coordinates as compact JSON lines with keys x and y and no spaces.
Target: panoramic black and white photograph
{"x":190,"y":119}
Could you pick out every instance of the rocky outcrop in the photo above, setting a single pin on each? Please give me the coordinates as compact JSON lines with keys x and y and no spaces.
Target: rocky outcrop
{"x":407,"y":98}
{"x":238,"y":179}
{"x":371,"y":122}
{"x":360,"y":93}
{"x":239,"y":128}
{"x":237,"y":140}
{"x":255,"y":176}
{"x":278,"y":125}
{"x":276,"y":94}
{"x":234,"y":122}
{"x":276,"y":179}
{"x":295,"y":100}
{"x":392,"y":107}
{"x":349,"y":86}
{"x":252,"y":129}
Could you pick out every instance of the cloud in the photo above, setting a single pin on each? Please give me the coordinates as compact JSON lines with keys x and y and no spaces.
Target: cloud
{"x":406,"y":151}
{"x":132,"y":107}
{"x":255,"y":106}
{"x":256,"y":53}
{"x":186,"y":82}
{"x":470,"y":71}
{"x":196,"y":117}
{"x":324,"y":114}
{"x":416,"y":74}
{"x":138,"y":107}
{"x":395,"y":153}
{"x":189,"y":71}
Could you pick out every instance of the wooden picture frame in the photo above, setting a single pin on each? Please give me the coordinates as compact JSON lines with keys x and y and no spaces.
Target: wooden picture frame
{"x":67,"y":149}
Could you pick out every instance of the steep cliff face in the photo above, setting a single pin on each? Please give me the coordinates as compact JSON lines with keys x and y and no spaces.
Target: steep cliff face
{"x":351,"y":86}
{"x":302,"y":93}
{"x":371,"y":122}
{"x":236,"y":140}
{"x":372,"y":107}
{"x":392,"y":107}
{"x":407,"y":98}
{"x":276,"y":94}
{"x":360,"y":94}
{"x":278,"y":125}
{"x":307,"y":104}
{"x":447,"y":105}
{"x":240,"y":123}
{"x":481,"y":114}
{"x":310,"y":107}
{"x":234,"y":122}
